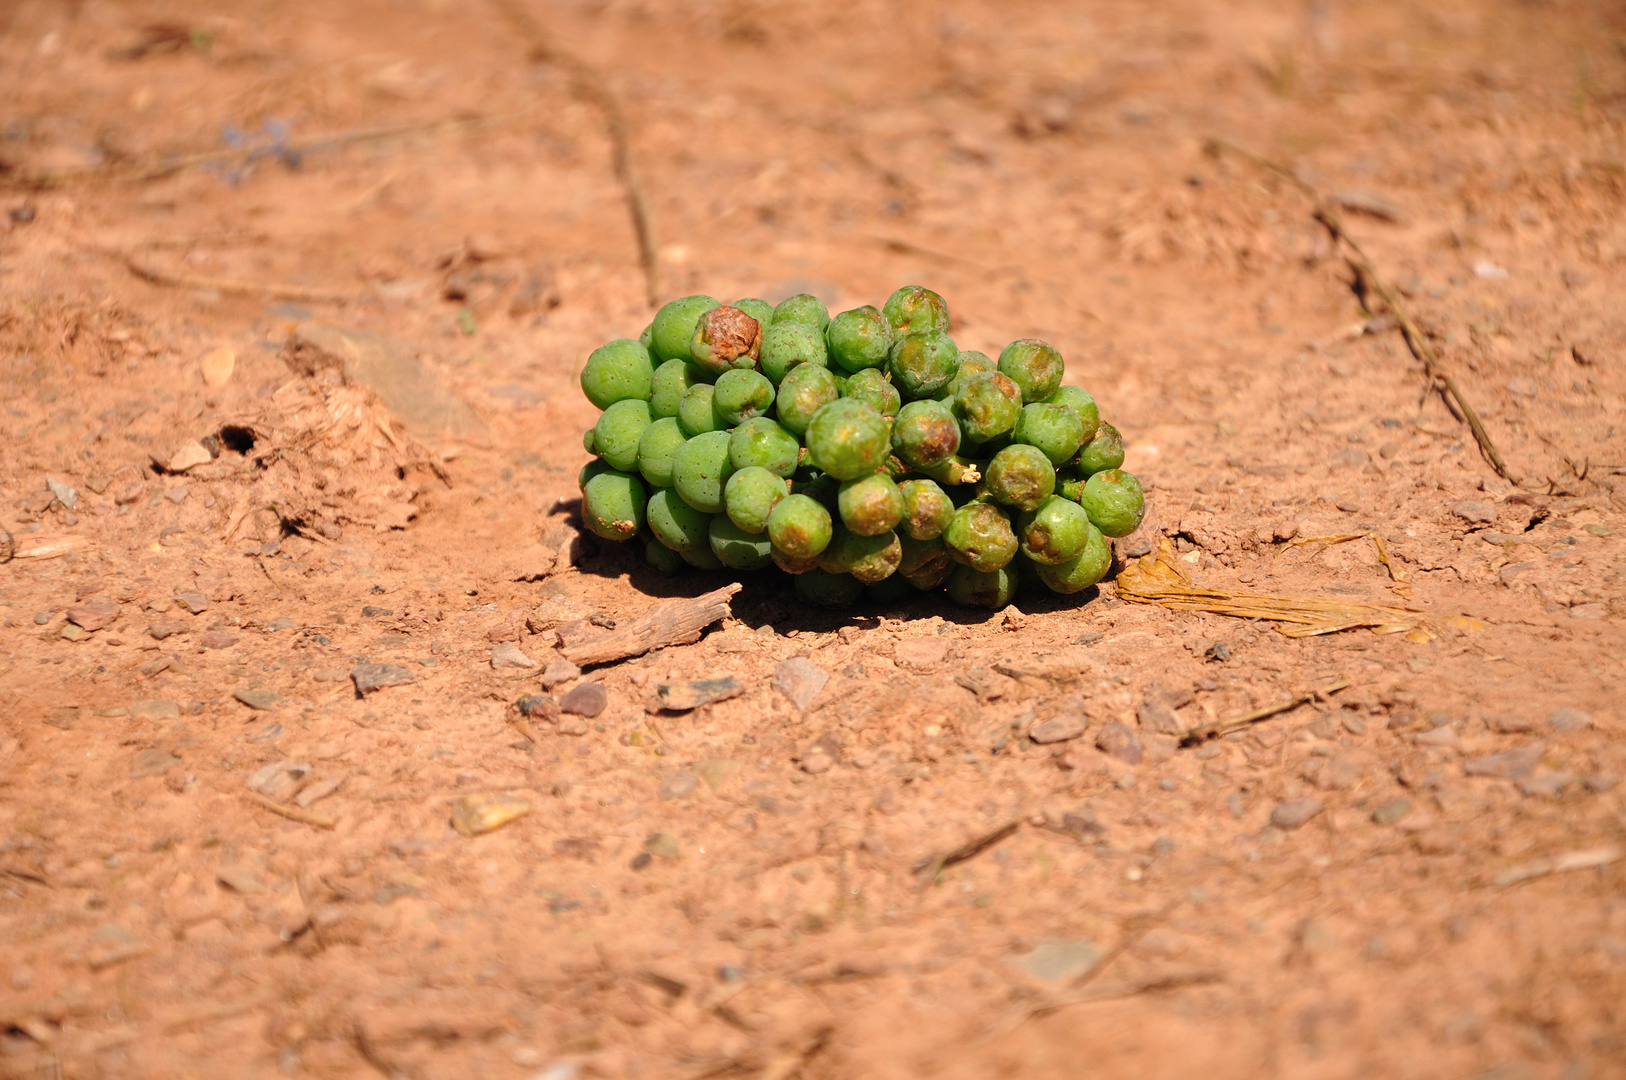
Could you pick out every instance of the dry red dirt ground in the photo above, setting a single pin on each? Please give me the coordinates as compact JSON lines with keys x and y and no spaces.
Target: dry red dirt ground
{"x":1417,"y":876}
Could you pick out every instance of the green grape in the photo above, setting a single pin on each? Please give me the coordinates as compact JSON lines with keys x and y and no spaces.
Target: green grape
{"x":870,"y":505}
{"x":793,"y":566}
{"x":988,"y":405}
{"x":1114,"y":501}
{"x":647,"y":339}
{"x":702,"y":558}
{"x":750,"y":496}
{"x":1105,"y":451}
{"x":588,"y":443}
{"x":927,"y":510}
{"x":1079,"y":400}
{"x":803,"y":308}
{"x":859,"y":339}
{"x":617,"y":432}
{"x":590,"y":470}
{"x":613,"y":505}
{"x":677,"y":524}
{"x":871,"y":386}
{"x":741,"y":395}
{"x":925,"y":434}
{"x":673,"y":328}
{"x":657,"y":449}
{"x":800,"y":527}
{"x":760,"y":441}
{"x":1021,"y":476}
{"x":1055,"y":430}
{"x":824,"y":589}
{"x":916,"y":310}
{"x":848,"y":439}
{"x":700,"y":470}
{"x":925,"y":564}
{"x":1033,"y":366}
{"x":979,"y":535}
{"x":992,"y":589}
{"x":619,"y":371}
{"x":1081,"y":571}
{"x":823,"y":489}
{"x":662,"y":558}
{"x":804,"y":391}
{"x":672,"y":380}
{"x":971,"y":362}
{"x":737,"y":549}
{"x":867,"y":558}
{"x":697,"y":412}
{"x":1054,"y":531}
{"x":922,"y":364}
{"x":787,"y":346}
{"x":760,"y":310}
{"x":888,"y":591}
{"x":724,"y":339}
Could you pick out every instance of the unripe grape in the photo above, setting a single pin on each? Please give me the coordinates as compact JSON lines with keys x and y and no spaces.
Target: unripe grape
{"x":888,"y":591}
{"x":914,"y":309}
{"x":617,"y":432}
{"x":761,"y":441}
{"x":992,"y":589}
{"x":805,"y":390}
{"x":700,"y":470}
{"x":760,"y":310}
{"x":871,"y":386}
{"x":979,"y":535}
{"x":618,"y":371}
{"x":740,"y":395}
{"x":970,"y":363}
{"x":1056,"y":430}
{"x":987,"y":405}
{"x":590,"y":470}
{"x":750,"y":496}
{"x":735,"y":548}
{"x":1021,"y":476}
{"x":1081,"y":571}
{"x":1054,"y":531}
{"x":824,"y":589}
{"x":1033,"y":366}
{"x":662,"y":558}
{"x":673,"y":328}
{"x":859,"y":339}
{"x":1114,"y":501}
{"x":923,"y":364}
{"x":870,"y":505}
{"x":697,"y":412}
{"x":613,"y":505}
{"x":724,"y":339}
{"x":867,"y":558}
{"x":848,"y":439}
{"x":677,"y":524}
{"x":925,"y":434}
{"x":803,"y":308}
{"x":925,"y":564}
{"x":787,"y":346}
{"x":658,"y":448}
{"x":800,"y":527}
{"x":927,"y":510}
{"x":1104,"y":451}
{"x":1081,"y":402}
{"x":672,"y":380}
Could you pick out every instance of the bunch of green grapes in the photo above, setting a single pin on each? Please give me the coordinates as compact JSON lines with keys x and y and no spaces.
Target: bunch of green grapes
{"x":864,"y":453}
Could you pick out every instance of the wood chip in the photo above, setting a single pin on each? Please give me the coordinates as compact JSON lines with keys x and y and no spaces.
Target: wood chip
{"x":676,"y":622}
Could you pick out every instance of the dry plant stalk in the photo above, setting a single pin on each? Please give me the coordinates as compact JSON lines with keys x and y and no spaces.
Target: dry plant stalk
{"x":1326,"y":212}
{"x":1203,"y":732}
{"x":1158,"y":579}
{"x":676,"y":622}
{"x":229,"y":286}
{"x":590,"y":85}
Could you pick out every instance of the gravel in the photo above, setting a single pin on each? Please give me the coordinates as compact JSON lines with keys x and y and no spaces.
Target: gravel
{"x":1293,"y":813}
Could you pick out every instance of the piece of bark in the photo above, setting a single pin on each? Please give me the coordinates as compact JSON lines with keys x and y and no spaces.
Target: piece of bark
{"x":676,"y":622}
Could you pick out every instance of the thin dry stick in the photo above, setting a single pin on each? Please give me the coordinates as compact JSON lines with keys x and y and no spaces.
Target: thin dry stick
{"x":123,"y":172}
{"x":1213,"y":730}
{"x":1399,"y":576}
{"x":292,"y":813}
{"x":232,"y":286}
{"x":1327,"y":214}
{"x":591,"y":86}
{"x":928,"y":869}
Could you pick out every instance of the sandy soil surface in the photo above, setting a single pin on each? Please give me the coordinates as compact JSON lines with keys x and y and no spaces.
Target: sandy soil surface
{"x":218,"y":857}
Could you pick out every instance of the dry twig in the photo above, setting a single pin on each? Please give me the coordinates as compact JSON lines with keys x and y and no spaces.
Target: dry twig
{"x":1399,"y":576}
{"x":1585,"y":859}
{"x":292,"y":813}
{"x":676,"y":622}
{"x":1203,"y":732}
{"x":230,"y":286}
{"x":590,"y":85}
{"x":928,"y":869}
{"x":1326,"y":212}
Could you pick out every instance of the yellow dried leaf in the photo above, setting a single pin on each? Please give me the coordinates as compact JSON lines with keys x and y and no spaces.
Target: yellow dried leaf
{"x":485,"y":811}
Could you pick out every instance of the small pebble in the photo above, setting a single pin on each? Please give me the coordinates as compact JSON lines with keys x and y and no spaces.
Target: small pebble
{"x":1475,"y":513}
{"x":589,"y":699}
{"x":559,"y":671}
{"x":1565,"y":720}
{"x":1391,"y":811}
{"x":679,"y":785}
{"x":1294,"y":812}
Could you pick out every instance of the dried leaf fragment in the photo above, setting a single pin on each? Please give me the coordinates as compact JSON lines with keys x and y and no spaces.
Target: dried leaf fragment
{"x":484,"y":811}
